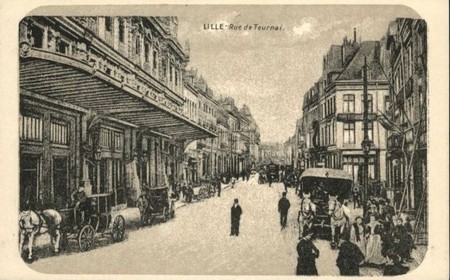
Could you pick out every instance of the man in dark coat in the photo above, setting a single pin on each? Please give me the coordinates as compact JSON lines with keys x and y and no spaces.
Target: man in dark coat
{"x":350,"y":256}
{"x":236,"y":212}
{"x":219,"y":185}
{"x":283,"y":208}
{"x":307,"y":254}
{"x":403,"y":242}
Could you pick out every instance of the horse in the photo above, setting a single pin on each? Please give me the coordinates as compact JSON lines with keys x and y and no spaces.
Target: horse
{"x":339,"y":217}
{"x":33,"y":224}
{"x":306,"y":213}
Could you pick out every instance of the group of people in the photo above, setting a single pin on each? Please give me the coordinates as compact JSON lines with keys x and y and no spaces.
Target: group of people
{"x":379,"y":239}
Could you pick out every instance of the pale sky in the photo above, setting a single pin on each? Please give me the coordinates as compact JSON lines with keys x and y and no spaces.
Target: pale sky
{"x":267,"y":70}
{"x":271,"y":70}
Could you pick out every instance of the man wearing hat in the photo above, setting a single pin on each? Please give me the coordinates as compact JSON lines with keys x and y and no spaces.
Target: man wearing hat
{"x":283,"y":208}
{"x":350,"y":256}
{"x":307,"y":254}
{"x":79,"y":199}
{"x":236,"y":212}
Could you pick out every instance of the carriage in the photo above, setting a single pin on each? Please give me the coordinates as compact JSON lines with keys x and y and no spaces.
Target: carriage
{"x":96,"y":225}
{"x":156,"y":204}
{"x":272,"y":172}
{"x":321,"y":184}
{"x":64,"y":225}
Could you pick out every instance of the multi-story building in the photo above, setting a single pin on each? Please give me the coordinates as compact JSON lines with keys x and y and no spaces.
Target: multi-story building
{"x":101,"y":105}
{"x":251,"y":131}
{"x":272,"y":152}
{"x":332,"y":121}
{"x":224,"y":147}
{"x":201,"y":153}
{"x":406,"y":67}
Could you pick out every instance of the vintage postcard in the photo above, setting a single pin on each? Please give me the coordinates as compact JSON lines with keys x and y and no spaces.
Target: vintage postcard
{"x":205,"y":140}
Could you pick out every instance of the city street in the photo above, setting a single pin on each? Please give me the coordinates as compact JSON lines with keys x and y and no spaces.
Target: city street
{"x":197,"y":241}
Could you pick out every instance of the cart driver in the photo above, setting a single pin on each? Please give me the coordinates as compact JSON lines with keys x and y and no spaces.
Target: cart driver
{"x":79,"y":198}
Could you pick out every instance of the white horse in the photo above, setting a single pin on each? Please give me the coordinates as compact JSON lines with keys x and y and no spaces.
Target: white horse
{"x":32,"y":224}
{"x":306,"y":213}
{"x":339,"y":217}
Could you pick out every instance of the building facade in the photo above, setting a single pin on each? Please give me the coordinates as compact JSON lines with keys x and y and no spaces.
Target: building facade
{"x":406,"y":66}
{"x":101,"y":106}
{"x":331,"y":128}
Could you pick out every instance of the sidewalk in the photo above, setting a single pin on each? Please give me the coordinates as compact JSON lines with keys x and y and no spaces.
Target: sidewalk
{"x":130,"y":214}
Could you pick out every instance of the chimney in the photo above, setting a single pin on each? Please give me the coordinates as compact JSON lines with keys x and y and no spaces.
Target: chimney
{"x":354,"y":35}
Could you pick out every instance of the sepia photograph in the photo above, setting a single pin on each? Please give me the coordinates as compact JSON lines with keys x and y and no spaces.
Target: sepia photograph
{"x":234,"y":140}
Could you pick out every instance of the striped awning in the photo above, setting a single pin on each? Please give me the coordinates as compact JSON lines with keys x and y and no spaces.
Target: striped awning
{"x":67,"y":79}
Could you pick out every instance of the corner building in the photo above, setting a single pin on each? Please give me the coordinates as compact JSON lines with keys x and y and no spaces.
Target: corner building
{"x":101,"y":106}
{"x":331,"y":128}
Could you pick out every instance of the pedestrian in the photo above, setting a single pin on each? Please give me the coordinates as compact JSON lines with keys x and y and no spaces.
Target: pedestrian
{"x":394,"y":266}
{"x":350,"y":256}
{"x":373,"y":210}
{"x":357,"y":235}
{"x":356,"y":202}
{"x":219,"y":185}
{"x":285,"y":184}
{"x":403,"y":242}
{"x":236,"y":212}
{"x":269,"y":178}
{"x":79,"y":199}
{"x":373,"y":248}
{"x":307,"y":254}
{"x":283,"y":208}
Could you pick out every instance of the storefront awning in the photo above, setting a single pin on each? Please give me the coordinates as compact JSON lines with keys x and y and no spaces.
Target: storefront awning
{"x":70,"y":80}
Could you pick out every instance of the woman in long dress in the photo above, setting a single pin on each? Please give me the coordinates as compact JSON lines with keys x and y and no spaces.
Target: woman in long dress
{"x":358,"y":236}
{"x":373,"y":247}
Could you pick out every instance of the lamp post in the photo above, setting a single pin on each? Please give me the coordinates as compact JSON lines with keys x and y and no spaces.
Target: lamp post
{"x":366,"y":143}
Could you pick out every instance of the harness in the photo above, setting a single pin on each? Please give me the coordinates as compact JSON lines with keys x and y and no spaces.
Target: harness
{"x":305,"y":215}
{"x":334,"y":213}
{"x":33,"y":226}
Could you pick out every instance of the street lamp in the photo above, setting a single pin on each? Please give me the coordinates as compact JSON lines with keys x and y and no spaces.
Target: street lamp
{"x":98,"y":154}
{"x":366,"y":143}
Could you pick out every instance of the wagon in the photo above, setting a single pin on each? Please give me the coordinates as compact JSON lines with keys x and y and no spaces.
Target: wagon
{"x":98,"y":223}
{"x":156,"y":204}
{"x":321,"y":183}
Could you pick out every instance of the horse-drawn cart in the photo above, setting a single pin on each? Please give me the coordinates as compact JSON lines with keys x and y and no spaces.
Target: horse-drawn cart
{"x":154,"y":204}
{"x":85,"y":226}
{"x":328,"y":188}
{"x":96,"y":225}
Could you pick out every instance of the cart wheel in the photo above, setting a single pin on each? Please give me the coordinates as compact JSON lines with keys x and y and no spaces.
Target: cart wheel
{"x":86,"y":238}
{"x":118,"y":228}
